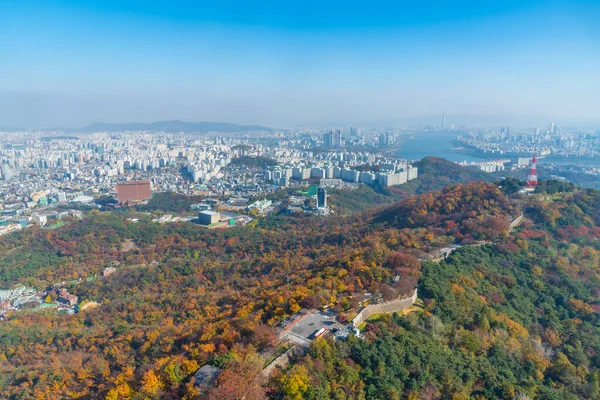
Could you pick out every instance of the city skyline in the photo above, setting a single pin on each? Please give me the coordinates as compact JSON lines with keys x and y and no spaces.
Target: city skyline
{"x":75,"y":64}
{"x":457,"y":122}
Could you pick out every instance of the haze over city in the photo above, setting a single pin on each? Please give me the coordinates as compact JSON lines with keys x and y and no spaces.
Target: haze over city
{"x":72,"y":63}
{"x":225,"y":200}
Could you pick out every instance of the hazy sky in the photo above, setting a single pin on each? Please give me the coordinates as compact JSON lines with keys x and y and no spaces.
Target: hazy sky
{"x":70,"y":63}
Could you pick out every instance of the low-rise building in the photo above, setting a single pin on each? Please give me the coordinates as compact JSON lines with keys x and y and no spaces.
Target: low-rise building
{"x":260,"y":205}
{"x":208,"y":217}
{"x":200,"y":207}
{"x":67,"y":298}
{"x":40,"y":219}
{"x":4,"y":306}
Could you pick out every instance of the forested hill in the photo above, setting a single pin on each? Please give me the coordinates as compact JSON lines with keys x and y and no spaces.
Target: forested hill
{"x":436,"y":173}
{"x":476,"y":210}
{"x":513,"y":318}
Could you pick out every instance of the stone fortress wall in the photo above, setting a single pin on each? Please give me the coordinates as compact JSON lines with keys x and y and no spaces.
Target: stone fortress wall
{"x":387,"y":307}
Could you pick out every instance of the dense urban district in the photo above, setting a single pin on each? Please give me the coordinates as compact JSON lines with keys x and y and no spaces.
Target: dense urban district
{"x":291,"y":265}
{"x":574,"y":143}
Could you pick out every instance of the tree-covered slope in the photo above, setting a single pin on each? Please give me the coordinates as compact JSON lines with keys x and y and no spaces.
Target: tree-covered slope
{"x":436,"y":173}
{"x":474,"y":210}
{"x":516,"y":316}
{"x":517,"y":319}
{"x":365,"y":197}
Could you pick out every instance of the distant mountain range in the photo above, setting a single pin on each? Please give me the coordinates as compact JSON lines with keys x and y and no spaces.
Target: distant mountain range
{"x":165,"y":126}
{"x":11,"y":129}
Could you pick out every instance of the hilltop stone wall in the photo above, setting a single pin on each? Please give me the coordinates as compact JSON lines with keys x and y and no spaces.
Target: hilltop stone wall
{"x":387,"y":307}
{"x":515,"y":223}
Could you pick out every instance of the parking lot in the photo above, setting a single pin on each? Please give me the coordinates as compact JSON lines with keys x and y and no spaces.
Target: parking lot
{"x":303,"y":331}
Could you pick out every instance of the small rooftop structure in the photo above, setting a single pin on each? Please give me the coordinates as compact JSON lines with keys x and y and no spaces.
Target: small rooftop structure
{"x":82,"y":199}
{"x":76,"y":213}
{"x":237,"y":201}
{"x":4,"y":305}
{"x":200,"y":206}
{"x":206,"y":377}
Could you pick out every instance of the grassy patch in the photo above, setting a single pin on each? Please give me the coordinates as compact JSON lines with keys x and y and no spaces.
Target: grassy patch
{"x":58,"y":224}
{"x":416,"y":307}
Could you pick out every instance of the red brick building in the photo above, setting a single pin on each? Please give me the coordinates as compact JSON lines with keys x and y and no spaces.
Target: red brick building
{"x":133,"y":191}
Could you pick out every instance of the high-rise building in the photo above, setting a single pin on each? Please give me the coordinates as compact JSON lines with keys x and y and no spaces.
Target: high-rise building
{"x":321,"y":197}
{"x":6,"y":172}
{"x":384,"y":139}
{"x":337,"y":139}
{"x":444,"y":120}
{"x":328,"y":139}
{"x":552,"y":127}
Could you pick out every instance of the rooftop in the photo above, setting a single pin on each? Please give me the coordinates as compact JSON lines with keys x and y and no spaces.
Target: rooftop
{"x":140,"y":182}
{"x":206,"y":376}
{"x":209,"y":213}
{"x":82,"y":199}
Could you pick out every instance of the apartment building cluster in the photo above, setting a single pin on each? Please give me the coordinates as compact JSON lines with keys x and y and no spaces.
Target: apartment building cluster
{"x":40,"y":171}
{"x":387,"y":174}
{"x":551,"y":141}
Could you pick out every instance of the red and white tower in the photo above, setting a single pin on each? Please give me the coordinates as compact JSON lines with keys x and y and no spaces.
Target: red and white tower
{"x":532,"y":179}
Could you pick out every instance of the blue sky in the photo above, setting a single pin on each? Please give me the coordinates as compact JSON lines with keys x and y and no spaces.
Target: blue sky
{"x":283,"y":63}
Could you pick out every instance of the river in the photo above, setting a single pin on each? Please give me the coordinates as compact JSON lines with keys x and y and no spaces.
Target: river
{"x":414,"y":146}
